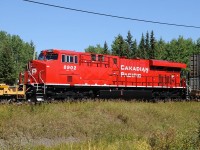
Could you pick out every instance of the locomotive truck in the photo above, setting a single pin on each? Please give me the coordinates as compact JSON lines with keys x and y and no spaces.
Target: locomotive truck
{"x":66,"y":74}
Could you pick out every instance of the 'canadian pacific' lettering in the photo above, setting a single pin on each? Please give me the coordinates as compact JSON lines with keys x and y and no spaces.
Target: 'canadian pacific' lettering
{"x":133,"y":68}
{"x":130,"y":75}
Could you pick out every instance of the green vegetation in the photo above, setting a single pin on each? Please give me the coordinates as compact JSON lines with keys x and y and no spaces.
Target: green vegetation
{"x":149,"y":47}
{"x":101,"y":125}
{"x":14,"y":55}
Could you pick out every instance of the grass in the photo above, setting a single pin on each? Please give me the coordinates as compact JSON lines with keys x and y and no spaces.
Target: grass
{"x":99,"y":125}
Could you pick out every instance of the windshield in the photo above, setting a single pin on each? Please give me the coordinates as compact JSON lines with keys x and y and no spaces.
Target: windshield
{"x":41,"y":56}
{"x":49,"y":56}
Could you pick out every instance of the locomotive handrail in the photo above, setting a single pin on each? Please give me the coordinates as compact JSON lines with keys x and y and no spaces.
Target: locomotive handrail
{"x":33,"y":78}
{"x":40,"y":77}
{"x":148,"y":82}
{"x":94,"y":62}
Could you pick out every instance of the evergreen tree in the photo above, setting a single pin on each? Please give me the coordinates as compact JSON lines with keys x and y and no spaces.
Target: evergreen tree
{"x":129,"y":39}
{"x":147,"y":45}
{"x":134,"y":49}
{"x":129,"y":42}
{"x":152,"y":46}
{"x":105,"y":48}
{"x":141,"y":53}
{"x":119,"y":46}
{"x":178,"y":50}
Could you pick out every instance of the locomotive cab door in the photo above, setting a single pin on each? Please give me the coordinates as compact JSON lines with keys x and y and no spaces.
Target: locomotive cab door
{"x":115,"y":71}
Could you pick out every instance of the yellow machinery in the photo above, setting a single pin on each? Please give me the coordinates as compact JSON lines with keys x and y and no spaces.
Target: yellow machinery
{"x":14,"y":92}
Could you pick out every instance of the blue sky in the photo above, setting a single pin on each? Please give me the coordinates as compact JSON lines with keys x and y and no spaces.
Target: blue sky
{"x":50,"y":27}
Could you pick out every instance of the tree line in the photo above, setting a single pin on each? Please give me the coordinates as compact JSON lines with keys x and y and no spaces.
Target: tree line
{"x":14,"y":55}
{"x":149,"y":47}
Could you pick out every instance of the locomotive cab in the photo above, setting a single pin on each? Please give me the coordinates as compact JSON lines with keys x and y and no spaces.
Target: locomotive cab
{"x":35,"y":75}
{"x":36,"y":69}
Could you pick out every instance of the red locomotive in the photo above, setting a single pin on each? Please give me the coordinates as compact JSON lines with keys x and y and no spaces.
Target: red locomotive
{"x":64,"y":74}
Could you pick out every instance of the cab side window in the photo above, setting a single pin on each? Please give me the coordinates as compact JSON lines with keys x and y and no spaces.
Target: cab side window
{"x":63,"y":58}
{"x":75,"y":59}
{"x":69,"y":59}
{"x":115,"y":60}
{"x":93,"y":57}
{"x":100,"y":58}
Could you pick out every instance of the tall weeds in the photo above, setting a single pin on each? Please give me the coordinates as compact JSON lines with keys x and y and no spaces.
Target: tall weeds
{"x":101,"y":125}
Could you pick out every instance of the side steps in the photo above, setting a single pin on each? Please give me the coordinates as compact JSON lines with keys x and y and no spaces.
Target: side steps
{"x":39,"y":92}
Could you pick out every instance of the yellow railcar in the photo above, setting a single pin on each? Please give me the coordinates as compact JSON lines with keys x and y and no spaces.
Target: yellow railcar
{"x":12,"y":92}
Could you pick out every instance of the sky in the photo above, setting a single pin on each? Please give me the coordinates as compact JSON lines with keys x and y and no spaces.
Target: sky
{"x":50,"y":27}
